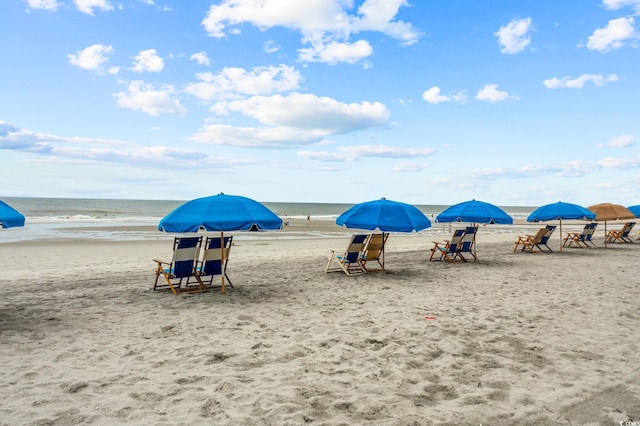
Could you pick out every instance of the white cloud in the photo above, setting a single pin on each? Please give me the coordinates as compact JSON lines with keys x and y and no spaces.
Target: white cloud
{"x":356,"y":153}
{"x":17,"y":139}
{"x":490,"y":93}
{"x":237,"y":82}
{"x":258,"y":137}
{"x":433,"y":96}
{"x":51,"y":5}
{"x":409,"y":167}
{"x":579,"y":82}
{"x":326,"y":25}
{"x":619,"y":4}
{"x":575,"y":168}
{"x":90,"y":151}
{"x":335,"y":52}
{"x":618,"y":163}
{"x":153,"y":3}
{"x":622,"y":141}
{"x":271,"y":46}
{"x":514,"y":36}
{"x":308,"y":111}
{"x":201,"y":58}
{"x":87,"y":6}
{"x":92,"y":57}
{"x":293,"y":120}
{"x":147,"y":60}
{"x":145,"y":97}
{"x":379,"y":15}
{"x":612,"y":36}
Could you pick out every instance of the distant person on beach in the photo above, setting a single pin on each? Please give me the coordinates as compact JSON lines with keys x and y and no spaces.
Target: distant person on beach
{"x":308,"y":219}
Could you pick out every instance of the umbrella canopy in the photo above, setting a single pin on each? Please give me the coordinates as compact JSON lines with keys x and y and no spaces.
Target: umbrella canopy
{"x":635,"y":210}
{"x":559,"y":211}
{"x":10,"y":217}
{"x":385,"y":215}
{"x":220,"y":213}
{"x":475,"y":212}
{"x":608,"y":211}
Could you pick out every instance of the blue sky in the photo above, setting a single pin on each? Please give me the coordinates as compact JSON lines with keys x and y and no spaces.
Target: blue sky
{"x":521,"y":102}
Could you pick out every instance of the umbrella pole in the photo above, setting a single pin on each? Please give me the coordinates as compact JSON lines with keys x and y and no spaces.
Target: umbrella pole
{"x":222,"y":255}
{"x":383,"y":244}
{"x":474,"y":243}
{"x":605,"y":234}
{"x":560,"y":234}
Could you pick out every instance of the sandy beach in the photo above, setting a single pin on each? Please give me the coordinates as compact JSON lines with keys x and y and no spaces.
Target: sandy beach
{"x":516,"y":338}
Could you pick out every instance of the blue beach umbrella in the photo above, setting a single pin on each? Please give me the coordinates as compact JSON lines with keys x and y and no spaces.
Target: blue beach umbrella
{"x":220,"y":213}
{"x":10,"y":217}
{"x":635,"y":210}
{"x":475,"y":212}
{"x":559,"y":211}
{"x":384,"y":215}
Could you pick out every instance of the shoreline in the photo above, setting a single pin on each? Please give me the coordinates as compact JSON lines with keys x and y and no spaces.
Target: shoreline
{"x":297,"y":229}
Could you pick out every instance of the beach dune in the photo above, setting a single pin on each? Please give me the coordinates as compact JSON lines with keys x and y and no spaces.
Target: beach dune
{"x":516,"y":338}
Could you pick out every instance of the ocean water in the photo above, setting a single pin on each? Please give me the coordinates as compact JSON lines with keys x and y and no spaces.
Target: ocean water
{"x":137,"y":219}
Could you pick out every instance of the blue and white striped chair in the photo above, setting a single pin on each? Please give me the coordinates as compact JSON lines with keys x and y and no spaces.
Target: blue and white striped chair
{"x":467,"y":244}
{"x":182,"y":266}
{"x":213,"y":261}
{"x":350,"y":261}
{"x":448,"y":248}
{"x":582,"y":239}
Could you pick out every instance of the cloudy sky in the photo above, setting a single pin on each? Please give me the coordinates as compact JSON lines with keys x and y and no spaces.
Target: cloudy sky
{"x":423,"y":101}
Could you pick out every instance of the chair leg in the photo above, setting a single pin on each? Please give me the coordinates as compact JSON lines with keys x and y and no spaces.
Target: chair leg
{"x":440,"y":251}
{"x":170,"y":284}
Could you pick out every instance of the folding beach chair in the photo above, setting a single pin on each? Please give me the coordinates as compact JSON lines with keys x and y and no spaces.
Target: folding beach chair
{"x":213,"y":260}
{"x":181,"y":267}
{"x":448,"y":248}
{"x":620,"y":235}
{"x":547,"y":237}
{"x":349,"y":261}
{"x":532,"y":243}
{"x":589,"y":234}
{"x":374,"y":251}
{"x":582,"y":239}
{"x":467,"y":245}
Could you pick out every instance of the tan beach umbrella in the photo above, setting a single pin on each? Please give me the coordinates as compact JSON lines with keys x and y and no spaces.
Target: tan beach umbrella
{"x":609,"y":211}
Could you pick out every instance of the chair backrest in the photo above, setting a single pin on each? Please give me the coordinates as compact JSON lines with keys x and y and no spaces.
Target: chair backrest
{"x":356,"y":245}
{"x":589,"y":230}
{"x":627,"y":229}
{"x":455,"y":240}
{"x":585,"y":231}
{"x":537,"y":239}
{"x":215,"y":255}
{"x":374,"y":246}
{"x":185,"y":255}
{"x":547,"y":234}
{"x":466,"y":244}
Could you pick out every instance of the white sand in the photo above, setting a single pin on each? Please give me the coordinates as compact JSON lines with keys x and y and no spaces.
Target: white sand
{"x":517,"y":338}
